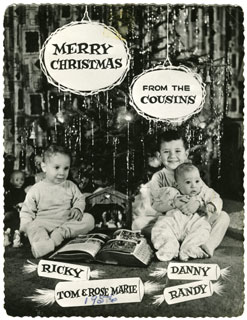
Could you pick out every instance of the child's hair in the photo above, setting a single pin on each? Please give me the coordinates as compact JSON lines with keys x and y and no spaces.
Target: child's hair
{"x":171,"y":135}
{"x":16,"y":172}
{"x":183,"y":167}
{"x":54,"y":149}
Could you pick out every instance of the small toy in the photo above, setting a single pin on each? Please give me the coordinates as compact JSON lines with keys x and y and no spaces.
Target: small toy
{"x":17,"y":239}
{"x":7,"y":237}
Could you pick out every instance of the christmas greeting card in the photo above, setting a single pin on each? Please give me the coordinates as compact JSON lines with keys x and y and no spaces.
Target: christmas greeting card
{"x":129,"y":117}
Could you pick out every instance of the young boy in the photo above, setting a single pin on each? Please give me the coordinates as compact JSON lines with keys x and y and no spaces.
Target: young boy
{"x":191,"y":230}
{"x":54,"y":207}
{"x":172,"y":152}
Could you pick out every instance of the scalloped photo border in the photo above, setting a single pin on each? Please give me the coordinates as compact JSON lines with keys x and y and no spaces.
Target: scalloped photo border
{"x":168,"y":120}
{"x":81,"y":92}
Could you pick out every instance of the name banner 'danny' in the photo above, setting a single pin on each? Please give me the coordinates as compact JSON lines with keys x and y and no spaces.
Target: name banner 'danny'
{"x":169,"y":94}
{"x":85,"y":58}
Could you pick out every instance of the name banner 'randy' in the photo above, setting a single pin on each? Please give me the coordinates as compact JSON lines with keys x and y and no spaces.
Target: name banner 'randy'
{"x":169,"y":94}
{"x":189,"y":291}
{"x":85,"y":58}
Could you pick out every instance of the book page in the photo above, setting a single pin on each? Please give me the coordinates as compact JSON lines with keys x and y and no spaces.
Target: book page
{"x":90,"y":244}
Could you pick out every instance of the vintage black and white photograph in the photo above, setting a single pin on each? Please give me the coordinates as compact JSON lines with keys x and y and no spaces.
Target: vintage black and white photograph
{"x":123,"y":159}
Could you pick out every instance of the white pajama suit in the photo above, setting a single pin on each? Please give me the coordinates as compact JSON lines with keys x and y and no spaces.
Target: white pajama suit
{"x":45,"y":215}
{"x":176,"y":228}
{"x":165,"y":178}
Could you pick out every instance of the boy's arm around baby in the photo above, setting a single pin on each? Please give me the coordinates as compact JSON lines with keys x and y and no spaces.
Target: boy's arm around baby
{"x":163,"y":198}
{"x":161,"y":187}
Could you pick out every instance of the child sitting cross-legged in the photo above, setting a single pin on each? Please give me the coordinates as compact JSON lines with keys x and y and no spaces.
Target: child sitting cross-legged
{"x":54,"y":207}
{"x":191,"y":230}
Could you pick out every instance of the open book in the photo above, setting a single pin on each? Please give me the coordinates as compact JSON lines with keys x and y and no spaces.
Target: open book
{"x":126,"y":247}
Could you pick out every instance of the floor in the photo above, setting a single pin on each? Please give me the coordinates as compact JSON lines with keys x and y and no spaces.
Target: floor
{"x":229,"y":304}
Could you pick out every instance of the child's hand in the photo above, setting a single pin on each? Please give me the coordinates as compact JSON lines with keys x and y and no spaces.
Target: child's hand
{"x":190,"y":207}
{"x":24,"y":227}
{"x":75,"y":214}
{"x":179,"y":201}
{"x":211,"y":213}
{"x":19,"y":206}
{"x":210,"y":208}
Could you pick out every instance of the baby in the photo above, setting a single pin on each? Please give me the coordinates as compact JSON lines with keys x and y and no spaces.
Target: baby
{"x":191,"y":230}
{"x":54,"y":207}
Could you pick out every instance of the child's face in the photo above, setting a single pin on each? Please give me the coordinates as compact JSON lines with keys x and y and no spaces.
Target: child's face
{"x":173,"y":153}
{"x":17,"y":180}
{"x":56,"y":168}
{"x":189,"y":182}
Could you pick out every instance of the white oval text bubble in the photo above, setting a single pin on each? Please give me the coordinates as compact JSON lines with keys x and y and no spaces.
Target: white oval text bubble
{"x":85,"y":58}
{"x":169,"y":94}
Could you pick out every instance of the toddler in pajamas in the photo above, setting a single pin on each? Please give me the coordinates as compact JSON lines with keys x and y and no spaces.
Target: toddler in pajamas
{"x":190,"y":230}
{"x":54,"y":207}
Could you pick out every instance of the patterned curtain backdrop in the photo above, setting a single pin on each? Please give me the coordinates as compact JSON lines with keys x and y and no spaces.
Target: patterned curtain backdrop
{"x":111,"y":144}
